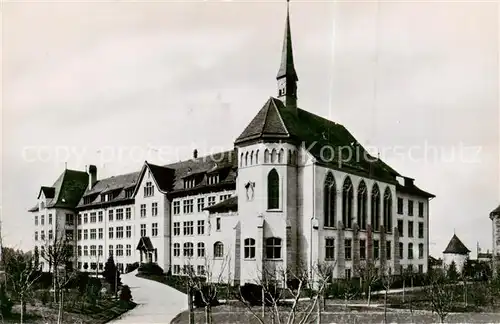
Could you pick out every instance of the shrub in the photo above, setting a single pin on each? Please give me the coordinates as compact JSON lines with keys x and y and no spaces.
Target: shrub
{"x":112,"y":275}
{"x":45,"y":297}
{"x":125,"y":294}
{"x":198,"y":297}
{"x":151,"y":269}
{"x":5,"y":302}
{"x":44,"y":280}
{"x":131,"y":267}
{"x":252,"y":294}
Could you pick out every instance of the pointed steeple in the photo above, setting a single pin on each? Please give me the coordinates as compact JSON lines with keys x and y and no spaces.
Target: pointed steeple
{"x":287,"y":76}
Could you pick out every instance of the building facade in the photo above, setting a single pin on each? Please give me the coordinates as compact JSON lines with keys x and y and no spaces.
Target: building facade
{"x":296,"y":191}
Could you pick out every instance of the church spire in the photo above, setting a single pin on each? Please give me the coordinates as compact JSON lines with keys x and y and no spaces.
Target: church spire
{"x":287,"y":76}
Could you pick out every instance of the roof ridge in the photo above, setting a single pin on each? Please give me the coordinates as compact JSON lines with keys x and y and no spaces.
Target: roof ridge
{"x":279,"y":115}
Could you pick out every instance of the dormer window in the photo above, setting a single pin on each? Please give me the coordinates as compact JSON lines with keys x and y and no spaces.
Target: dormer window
{"x":42,"y":205}
{"x":213,"y":179}
{"x":189,"y":183}
{"x":149,"y":189}
{"x":129,"y":192}
{"x":87,"y":200}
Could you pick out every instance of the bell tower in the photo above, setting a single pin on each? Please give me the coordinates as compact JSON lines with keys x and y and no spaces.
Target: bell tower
{"x":287,"y":76}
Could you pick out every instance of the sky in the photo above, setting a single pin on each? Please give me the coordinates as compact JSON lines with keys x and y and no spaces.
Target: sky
{"x":115,"y":84}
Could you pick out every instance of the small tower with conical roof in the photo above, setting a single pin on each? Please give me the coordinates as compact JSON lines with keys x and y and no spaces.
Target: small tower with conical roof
{"x":456,"y":252}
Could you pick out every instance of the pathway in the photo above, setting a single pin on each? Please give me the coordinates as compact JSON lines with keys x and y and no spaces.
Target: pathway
{"x":157,"y":303}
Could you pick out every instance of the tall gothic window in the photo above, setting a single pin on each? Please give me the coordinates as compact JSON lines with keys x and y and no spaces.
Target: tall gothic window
{"x":375,"y":217}
{"x":362,"y":200}
{"x":266,"y":156}
{"x":273,"y":190}
{"x":330,"y":201}
{"x":388,"y":210}
{"x":347,"y":197}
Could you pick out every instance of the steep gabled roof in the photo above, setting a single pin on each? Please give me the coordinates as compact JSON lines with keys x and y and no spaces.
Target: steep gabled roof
{"x":48,"y":192}
{"x":145,"y":244}
{"x":456,"y":247}
{"x":230,"y":204}
{"x":274,"y":121}
{"x":114,"y":183}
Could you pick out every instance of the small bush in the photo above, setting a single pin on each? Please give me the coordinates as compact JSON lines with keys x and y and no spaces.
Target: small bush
{"x":198,"y":298}
{"x":131,"y":267}
{"x":45,"y":297}
{"x":252,"y":294}
{"x":5,"y":302}
{"x":150,"y":269}
{"x":125,"y":294}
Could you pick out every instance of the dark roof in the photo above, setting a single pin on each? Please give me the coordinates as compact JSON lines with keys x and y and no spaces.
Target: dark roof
{"x":413,"y":190}
{"x":230,"y":204}
{"x":115,"y":183}
{"x":145,"y":243}
{"x":163,"y":176}
{"x":484,"y":255}
{"x":48,"y":192}
{"x":456,"y":246}
{"x":274,"y":121}
{"x":495,"y":212}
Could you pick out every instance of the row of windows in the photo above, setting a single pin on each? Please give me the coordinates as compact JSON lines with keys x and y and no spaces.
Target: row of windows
{"x":275,"y":156}
{"x":94,"y":250}
{"x":95,"y":217}
{"x":188,"y":204}
{"x":348,"y":272}
{"x":410,"y":207}
{"x":117,"y":232}
{"x":273,"y":249}
{"x":69,"y":220}
{"x":410,"y":229}
{"x":95,"y":266}
{"x":69,"y":235}
{"x":188,"y":227}
{"x":347,"y":198}
{"x":188,"y":270}
{"x":348,"y":252}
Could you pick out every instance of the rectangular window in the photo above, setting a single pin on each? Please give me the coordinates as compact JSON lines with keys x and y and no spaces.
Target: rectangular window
{"x":177,"y":207}
{"x":400,"y":206}
{"x":201,"y":250}
{"x":93,"y":234}
{"x":99,"y":216}
{"x":42,"y":235}
{"x":119,"y":251}
{"x":420,"y":230}
{"x":69,"y":235}
{"x":110,"y":232}
{"x":400,"y":228}
{"x":420,"y":209}
{"x":410,"y":207}
{"x":201,"y":227}
{"x":348,"y":274}
{"x":224,"y":197}
{"x":36,"y":220}
{"x":177,"y":229}
{"x":410,"y":250}
{"x":93,"y":250}
{"x":129,"y":250}
{"x":110,"y":215}
{"x":273,"y":248}
{"x":249,"y":248}
{"x":388,"y":250}
{"x":100,"y":250}
{"x":143,"y":230}
{"x":188,"y":206}
{"x":401,"y":250}
{"x":101,"y":233}
{"x":128,"y":213}
{"x":85,"y":234}
{"x":85,"y":250}
{"x":50,"y":219}
{"x":93,"y":217}
{"x":119,"y":232}
{"x":149,"y":189}
{"x":200,"y":270}
{"x":211,"y":201}
{"x":42,"y":220}
{"x":410,"y":229}
{"x":85,"y":218}
{"x":79,"y":235}
{"x":421,"y":251}
{"x":188,"y":228}
{"x":154,"y":209}
{"x":154,"y":229}
{"x":129,"y":231}
{"x":36,"y":236}
{"x":348,"y":249}
{"x":213,"y":179}
{"x":69,"y":219}
{"x":177,"y":269}
{"x":421,"y":268}
{"x":376,"y":249}
{"x":119,"y":214}
{"x":330,"y":249}
{"x":177,"y":249}
{"x":362,"y":249}
{"x":143,"y":210}
{"x":217,"y":224}
{"x":201,"y":204}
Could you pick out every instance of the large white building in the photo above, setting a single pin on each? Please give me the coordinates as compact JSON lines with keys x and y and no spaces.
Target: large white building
{"x":296,"y":191}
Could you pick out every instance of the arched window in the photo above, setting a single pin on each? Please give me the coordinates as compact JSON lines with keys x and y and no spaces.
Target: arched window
{"x":388,"y":210}
{"x":257,"y":157}
{"x":249,"y":248}
{"x":251,"y":158}
{"x":362,"y":203}
{"x":246,"y":158}
{"x":281,"y":156}
{"x":177,"y":249}
{"x":274,"y":156}
{"x":188,"y":249}
{"x":273,"y":248}
{"x":289,"y":157}
{"x":241,"y":160}
{"x":201,"y":249}
{"x":273,"y":190}
{"x":347,"y":197}
{"x":329,"y":201}
{"x":266,"y":156}
{"x":218,"y":250}
{"x":375,"y":212}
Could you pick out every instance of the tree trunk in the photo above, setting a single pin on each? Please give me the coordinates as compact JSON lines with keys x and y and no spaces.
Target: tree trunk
{"x":404,"y":286}
{"x":369,"y":294}
{"x":263,"y":304}
{"x":23,"y":308}
{"x":208,"y":314}
{"x":318,"y":312}
{"x":190,"y":306}
{"x":385,"y":306}
{"x":61,"y":305}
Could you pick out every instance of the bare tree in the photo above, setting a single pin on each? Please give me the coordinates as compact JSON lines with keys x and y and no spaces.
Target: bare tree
{"x":21,"y":274}
{"x":369,"y":275}
{"x":387,"y":281}
{"x":441,"y":291}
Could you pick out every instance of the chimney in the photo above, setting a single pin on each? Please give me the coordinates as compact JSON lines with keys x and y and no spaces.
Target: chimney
{"x":92,"y":175}
{"x":195,"y":154}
